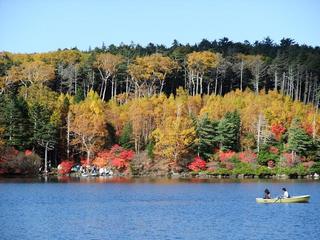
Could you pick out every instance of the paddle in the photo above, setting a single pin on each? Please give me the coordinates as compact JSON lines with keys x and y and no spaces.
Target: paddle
{"x":277,"y":199}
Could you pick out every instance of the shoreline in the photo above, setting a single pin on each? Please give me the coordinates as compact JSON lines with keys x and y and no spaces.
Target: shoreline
{"x":182,"y":176}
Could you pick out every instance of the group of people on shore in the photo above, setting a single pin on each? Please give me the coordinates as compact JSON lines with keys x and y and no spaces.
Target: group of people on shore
{"x":92,"y":170}
{"x":267,"y":194}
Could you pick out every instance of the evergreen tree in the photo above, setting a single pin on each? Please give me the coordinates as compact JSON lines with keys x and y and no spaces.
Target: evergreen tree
{"x":229,"y":132}
{"x":206,"y":132}
{"x":150,"y":150}
{"x":126,"y":139}
{"x":15,"y":122}
{"x":44,"y":131}
{"x":79,"y":95}
{"x":299,"y":142}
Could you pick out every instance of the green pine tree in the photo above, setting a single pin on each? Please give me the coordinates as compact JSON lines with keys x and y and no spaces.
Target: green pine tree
{"x":79,"y":95}
{"x":15,"y":121}
{"x":206,"y":131}
{"x":126,"y":139}
{"x":299,"y":142}
{"x":44,"y":130}
{"x":229,"y":132}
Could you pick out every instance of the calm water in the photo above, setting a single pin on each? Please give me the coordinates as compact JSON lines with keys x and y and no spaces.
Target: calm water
{"x":144,"y":209}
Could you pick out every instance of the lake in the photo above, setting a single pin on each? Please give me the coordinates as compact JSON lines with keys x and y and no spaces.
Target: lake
{"x":154,"y":209}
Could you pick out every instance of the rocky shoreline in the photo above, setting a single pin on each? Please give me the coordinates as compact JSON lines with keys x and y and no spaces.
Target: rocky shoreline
{"x":202,"y":176}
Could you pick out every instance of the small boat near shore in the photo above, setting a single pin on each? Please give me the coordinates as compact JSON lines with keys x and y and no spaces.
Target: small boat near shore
{"x":293,"y":199}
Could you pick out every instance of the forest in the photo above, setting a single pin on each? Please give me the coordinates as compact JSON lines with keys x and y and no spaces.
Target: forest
{"x":219,"y":107}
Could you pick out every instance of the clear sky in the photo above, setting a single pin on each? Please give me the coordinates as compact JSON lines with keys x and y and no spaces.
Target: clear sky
{"x":45,"y":25}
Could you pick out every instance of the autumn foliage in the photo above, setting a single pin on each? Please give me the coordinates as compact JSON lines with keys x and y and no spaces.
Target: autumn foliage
{"x":290,"y":160}
{"x":247,"y":157}
{"x":116,"y":157}
{"x":65,"y":167}
{"x":274,"y":150}
{"x":197,"y":165}
{"x":226,"y":156}
{"x":277,"y":129}
{"x":14,"y":162}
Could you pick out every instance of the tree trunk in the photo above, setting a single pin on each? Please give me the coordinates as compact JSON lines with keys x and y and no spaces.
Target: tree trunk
{"x":258,"y":133}
{"x":127,"y":88}
{"x":112,"y":88}
{"x":276,"y":81}
{"x":282,"y":82}
{"x":104,"y":89}
{"x":46,"y":159}
{"x":257,"y":83}
{"x":197,"y":83}
{"x":115,"y":88}
{"x":241,"y":74}
{"x":314,"y":119}
{"x":201,"y":84}
{"x":185,"y":75}
{"x":88,"y":157}
{"x":75,"y":81}
{"x":161,"y":87}
{"x":68,"y":135}
{"x":216,"y":83}
{"x":101,"y":89}
{"x":306,"y":86}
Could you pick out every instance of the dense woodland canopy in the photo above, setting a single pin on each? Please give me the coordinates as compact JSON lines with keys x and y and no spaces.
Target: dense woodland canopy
{"x":210,"y":100}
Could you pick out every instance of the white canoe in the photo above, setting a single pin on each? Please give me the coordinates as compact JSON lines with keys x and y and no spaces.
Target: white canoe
{"x":293,"y":199}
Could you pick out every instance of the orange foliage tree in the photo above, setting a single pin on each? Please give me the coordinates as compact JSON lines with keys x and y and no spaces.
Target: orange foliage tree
{"x":117,"y":157}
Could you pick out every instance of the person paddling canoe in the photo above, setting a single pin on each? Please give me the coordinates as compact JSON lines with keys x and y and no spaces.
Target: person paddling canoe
{"x":267,"y":194}
{"x":285,"y":193}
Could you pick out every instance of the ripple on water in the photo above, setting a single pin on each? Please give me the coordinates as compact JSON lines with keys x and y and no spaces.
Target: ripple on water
{"x":165,"y":210}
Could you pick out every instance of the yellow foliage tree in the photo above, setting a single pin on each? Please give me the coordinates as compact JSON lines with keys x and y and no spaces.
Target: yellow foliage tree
{"x":88,"y":123}
{"x":198,"y":64}
{"x":107,"y":65}
{"x":173,"y":138}
{"x":31,"y":72}
{"x":147,"y":71}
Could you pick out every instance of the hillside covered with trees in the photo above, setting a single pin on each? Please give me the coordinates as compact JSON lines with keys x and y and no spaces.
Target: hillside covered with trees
{"x":220,"y":106}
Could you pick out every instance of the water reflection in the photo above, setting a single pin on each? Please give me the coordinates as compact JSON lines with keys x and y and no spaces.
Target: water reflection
{"x":151,"y":180}
{"x":153,"y":208}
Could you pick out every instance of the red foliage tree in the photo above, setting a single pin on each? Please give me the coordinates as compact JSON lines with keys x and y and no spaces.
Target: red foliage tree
{"x":28,"y":152}
{"x":14,"y":162}
{"x":308,"y":164}
{"x":226,"y":156}
{"x":308,"y":128}
{"x":100,"y":162}
{"x":197,"y":164}
{"x":247,"y":157}
{"x":274,"y":150}
{"x":65,"y":167}
{"x":277,"y":129}
{"x":290,"y":161}
{"x":117,"y":157}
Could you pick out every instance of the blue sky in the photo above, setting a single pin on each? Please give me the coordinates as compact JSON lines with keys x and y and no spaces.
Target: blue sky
{"x":46,"y":25}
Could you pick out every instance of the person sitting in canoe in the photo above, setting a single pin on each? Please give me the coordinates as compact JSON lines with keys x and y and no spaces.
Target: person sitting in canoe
{"x":267,"y":194}
{"x":285,"y":193}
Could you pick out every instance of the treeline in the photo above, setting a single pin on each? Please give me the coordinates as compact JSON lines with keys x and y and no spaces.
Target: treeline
{"x":265,"y":130}
{"x":204,"y":68}
{"x":172,"y":103}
